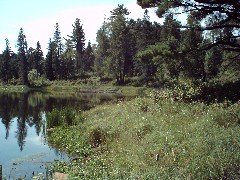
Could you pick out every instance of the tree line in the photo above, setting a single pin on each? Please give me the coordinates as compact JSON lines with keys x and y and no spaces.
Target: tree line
{"x":130,"y":51}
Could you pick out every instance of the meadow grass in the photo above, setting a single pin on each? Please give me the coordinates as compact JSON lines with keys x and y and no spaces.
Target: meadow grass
{"x":122,"y":141}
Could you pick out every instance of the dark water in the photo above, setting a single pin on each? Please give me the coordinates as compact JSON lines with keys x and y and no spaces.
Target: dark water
{"x":24,"y":151}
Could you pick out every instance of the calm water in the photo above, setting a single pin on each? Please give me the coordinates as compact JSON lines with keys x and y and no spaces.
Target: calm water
{"x":24,"y":151}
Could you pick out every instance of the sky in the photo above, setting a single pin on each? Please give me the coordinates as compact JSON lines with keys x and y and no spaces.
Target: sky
{"x":38,"y":18}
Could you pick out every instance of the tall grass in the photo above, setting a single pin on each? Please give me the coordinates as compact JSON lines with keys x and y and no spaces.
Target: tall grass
{"x":120,"y":141}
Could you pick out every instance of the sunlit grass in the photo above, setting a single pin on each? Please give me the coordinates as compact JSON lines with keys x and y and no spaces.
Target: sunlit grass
{"x":192,"y":141}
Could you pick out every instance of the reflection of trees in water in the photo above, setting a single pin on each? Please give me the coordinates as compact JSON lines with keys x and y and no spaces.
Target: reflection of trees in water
{"x":21,"y":132}
{"x":6,"y":112}
{"x":29,"y":108}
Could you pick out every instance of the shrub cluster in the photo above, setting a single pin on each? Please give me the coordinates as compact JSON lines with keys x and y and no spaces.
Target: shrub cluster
{"x":62,"y":117}
{"x":185,"y":91}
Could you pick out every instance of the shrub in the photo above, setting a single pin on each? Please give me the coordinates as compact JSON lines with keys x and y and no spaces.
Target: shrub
{"x":53,"y":118}
{"x":97,"y":136}
{"x":185,"y":91}
{"x":35,"y":79}
{"x":61,"y":117}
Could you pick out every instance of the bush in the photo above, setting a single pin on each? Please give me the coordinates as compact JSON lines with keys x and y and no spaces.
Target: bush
{"x":185,"y":91}
{"x":35,"y":79}
{"x":97,"y":136}
{"x":53,"y":118}
{"x":62,"y":117}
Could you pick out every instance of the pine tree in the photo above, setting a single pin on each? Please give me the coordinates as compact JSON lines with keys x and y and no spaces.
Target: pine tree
{"x":146,"y":34}
{"x":119,"y":43}
{"x":49,"y":61}
{"x":78,"y":43}
{"x":22,"y":49}
{"x":89,"y":58}
{"x":57,"y":45}
{"x":193,"y":63}
{"x":5,"y":64}
{"x":102,"y":51}
{"x":38,"y":63}
{"x":214,"y":58}
{"x":68,"y":60}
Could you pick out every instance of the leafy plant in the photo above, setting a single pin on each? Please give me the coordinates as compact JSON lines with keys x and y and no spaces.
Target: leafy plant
{"x":97,"y":136}
{"x":35,"y":79}
{"x":61,"y":117}
{"x":183,"y":91}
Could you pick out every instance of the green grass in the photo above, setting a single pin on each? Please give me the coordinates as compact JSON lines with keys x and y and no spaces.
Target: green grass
{"x":120,"y":141}
{"x":13,"y":88}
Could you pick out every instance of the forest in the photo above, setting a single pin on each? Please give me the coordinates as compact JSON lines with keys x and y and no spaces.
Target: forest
{"x":136,"y":52}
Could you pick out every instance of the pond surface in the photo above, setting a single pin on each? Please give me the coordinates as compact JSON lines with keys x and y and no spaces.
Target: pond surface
{"x":24,"y":151}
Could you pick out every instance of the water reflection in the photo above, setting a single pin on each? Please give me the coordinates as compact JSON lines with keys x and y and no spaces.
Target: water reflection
{"x":29,"y":108}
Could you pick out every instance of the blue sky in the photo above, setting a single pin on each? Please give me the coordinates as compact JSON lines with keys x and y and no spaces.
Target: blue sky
{"x":37,"y":18}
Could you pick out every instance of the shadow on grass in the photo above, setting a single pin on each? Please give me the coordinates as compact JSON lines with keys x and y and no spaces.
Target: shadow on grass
{"x":221,"y":92}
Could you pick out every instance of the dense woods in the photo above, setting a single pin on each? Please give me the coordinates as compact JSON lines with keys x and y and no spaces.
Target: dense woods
{"x":139,"y":52}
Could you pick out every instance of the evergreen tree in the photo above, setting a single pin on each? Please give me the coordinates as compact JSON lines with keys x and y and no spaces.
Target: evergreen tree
{"x":193,"y":63}
{"x":78,"y":43}
{"x":5,"y":63}
{"x":213,"y":58}
{"x":57,"y":45}
{"x":49,"y":61}
{"x":146,"y":33}
{"x":30,"y":58}
{"x":102,"y":51}
{"x":119,"y":44}
{"x":163,"y":58}
{"x":38,"y":63}
{"x":218,"y":16}
{"x":89,"y":58}
{"x":68,"y":60}
{"x":22,"y":49}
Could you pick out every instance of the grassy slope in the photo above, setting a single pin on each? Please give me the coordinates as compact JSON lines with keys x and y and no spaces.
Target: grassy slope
{"x":194,"y":141}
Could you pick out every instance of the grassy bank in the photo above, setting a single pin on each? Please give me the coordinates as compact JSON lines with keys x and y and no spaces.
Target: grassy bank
{"x":13,"y":88}
{"x":57,"y":87}
{"x":148,"y":139}
{"x":94,"y":86}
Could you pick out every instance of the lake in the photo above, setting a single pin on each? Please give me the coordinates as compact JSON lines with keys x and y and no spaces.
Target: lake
{"x":24,"y":151}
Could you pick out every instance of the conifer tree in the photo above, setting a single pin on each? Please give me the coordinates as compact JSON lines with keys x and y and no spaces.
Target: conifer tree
{"x":102,"y":51}
{"x":68,"y":57}
{"x":49,"y":61}
{"x":5,"y":63}
{"x":89,"y":57}
{"x":57,"y":45}
{"x":38,"y":63}
{"x":119,"y":43}
{"x":193,"y":63}
{"x":22,"y":49}
{"x":78,"y":42}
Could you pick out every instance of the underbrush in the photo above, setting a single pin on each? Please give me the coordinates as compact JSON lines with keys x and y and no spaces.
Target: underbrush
{"x":63,"y":117}
{"x":154,"y":137}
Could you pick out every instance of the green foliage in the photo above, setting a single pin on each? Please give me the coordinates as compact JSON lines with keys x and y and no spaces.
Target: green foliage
{"x":36,"y":80}
{"x":192,"y":140}
{"x":22,"y":48}
{"x":63,"y":117}
{"x":96,"y":136}
{"x":78,"y":43}
{"x":53,"y":118}
{"x":119,"y":58}
{"x":182,"y":91}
